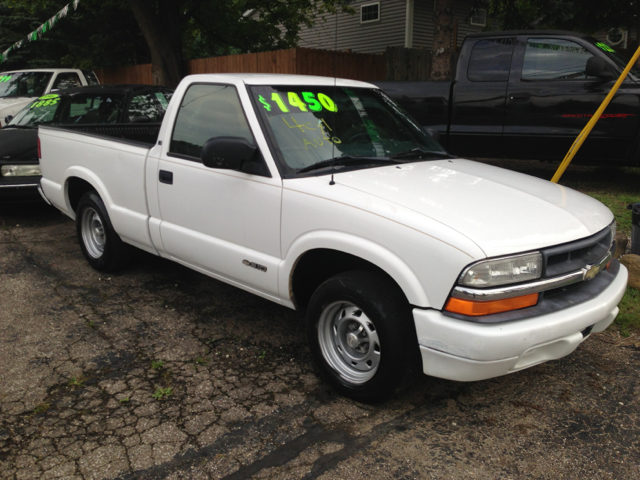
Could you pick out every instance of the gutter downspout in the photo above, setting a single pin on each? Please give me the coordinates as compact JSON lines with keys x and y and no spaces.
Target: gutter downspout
{"x":408,"y":29}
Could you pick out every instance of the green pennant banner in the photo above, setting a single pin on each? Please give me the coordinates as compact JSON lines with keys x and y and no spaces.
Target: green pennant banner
{"x":41,"y":30}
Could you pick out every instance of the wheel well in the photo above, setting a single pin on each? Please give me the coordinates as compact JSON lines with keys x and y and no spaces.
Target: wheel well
{"x":316,"y":266}
{"x":76,"y":188}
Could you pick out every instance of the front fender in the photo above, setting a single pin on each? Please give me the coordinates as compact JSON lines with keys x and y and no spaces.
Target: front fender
{"x":370,"y":251}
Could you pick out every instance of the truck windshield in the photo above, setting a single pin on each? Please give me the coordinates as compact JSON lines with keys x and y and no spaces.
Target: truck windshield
{"x":618,"y":59}
{"x":314,"y":124}
{"x":24,"y":84}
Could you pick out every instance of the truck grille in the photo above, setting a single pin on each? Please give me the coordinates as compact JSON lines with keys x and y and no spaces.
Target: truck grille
{"x":572,"y":256}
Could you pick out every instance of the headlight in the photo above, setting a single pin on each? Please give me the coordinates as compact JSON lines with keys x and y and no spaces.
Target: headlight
{"x":20,"y":170}
{"x":502,"y":271}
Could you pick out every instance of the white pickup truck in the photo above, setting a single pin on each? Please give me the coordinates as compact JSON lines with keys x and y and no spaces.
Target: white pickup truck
{"x":322,"y":195}
{"x":18,"y":88}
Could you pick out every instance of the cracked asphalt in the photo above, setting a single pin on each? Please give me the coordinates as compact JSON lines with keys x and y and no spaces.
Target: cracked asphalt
{"x":161,"y":372}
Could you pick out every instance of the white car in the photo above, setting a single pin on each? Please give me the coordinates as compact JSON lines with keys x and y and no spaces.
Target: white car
{"x":18,"y":88}
{"x":324,"y":196}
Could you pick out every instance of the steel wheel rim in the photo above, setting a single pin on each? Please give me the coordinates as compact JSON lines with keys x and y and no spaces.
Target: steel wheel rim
{"x":349,"y":342}
{"x":93,"y":234}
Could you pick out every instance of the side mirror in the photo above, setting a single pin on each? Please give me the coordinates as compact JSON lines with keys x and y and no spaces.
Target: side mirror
{"x":7,"y":119}
{"x":598,"y":67}
{"x":228,"y":153}
{"x":140,"y":119}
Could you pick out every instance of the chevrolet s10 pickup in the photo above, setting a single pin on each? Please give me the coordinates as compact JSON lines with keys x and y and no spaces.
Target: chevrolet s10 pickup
{"x":324,"y":196}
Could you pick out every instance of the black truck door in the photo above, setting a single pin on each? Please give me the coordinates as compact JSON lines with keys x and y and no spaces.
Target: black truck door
{"x":550,"y":99}
{"x":477,"y":111}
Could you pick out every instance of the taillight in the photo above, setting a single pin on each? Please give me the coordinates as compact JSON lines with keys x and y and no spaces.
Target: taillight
{"x":39,"y":151}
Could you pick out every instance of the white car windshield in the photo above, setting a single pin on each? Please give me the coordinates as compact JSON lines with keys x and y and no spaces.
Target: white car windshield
{"x":24,"y":84}
{"x":312,"y":124}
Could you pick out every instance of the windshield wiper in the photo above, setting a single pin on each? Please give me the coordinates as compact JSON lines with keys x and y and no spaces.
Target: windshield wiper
{"x":346,"y":160}
{"x":18,"y":126}
{"x":420,"y":153}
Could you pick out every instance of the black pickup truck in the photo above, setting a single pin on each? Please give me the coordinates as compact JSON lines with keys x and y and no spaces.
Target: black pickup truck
{"x":134,"y":111}
{"x":528,"y":95}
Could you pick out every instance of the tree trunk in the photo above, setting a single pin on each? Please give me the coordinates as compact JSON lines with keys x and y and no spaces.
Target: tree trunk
{"x":443,"y":42}
{"x":159,"y":22}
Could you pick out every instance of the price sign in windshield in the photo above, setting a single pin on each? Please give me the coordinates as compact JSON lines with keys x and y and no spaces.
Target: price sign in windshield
{"x":46,"y":100}
{"x":5,"y":78}
{"x":291,"y":102}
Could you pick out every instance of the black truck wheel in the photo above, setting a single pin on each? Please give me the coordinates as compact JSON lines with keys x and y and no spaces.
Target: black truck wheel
{"x":101,"y":245}
{"x":361,"y":334}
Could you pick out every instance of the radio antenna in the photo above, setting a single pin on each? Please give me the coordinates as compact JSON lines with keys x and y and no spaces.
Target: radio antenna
{"x":335,"y":81}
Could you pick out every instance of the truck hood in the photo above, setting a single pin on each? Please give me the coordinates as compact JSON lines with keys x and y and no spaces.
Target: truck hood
{"x":500,"y":210}
{"x":12,"y":105}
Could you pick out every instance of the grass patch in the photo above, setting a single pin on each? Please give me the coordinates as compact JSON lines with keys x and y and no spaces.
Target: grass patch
{"x":43,"y":407}
{"x":156,"y":365}
{"x":162,"y":393}
{"x":628,"y":319}
{"x":77,"y":382}
{"x":617,"y":203}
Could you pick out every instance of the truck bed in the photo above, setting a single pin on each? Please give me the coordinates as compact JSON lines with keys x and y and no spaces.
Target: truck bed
{"x":144,"y":133}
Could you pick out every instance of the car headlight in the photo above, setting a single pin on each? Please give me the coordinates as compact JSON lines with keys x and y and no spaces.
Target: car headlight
{"x":502,"y":271}
{"x":20,"y":170}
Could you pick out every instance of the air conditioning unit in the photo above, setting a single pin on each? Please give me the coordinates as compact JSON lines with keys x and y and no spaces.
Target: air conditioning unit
{"x":617,"y":37}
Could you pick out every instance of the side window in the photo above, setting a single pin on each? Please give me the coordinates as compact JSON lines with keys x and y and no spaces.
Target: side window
{"x":146,"y":105}
{"x":208,"y":111}
{"x":90,"y":77}
{"x":490,"y":60}
{"x":67,"y":80}
{"x":554,"y":59}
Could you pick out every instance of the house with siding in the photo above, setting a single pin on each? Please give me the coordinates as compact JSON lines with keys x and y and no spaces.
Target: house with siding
{"x":377,"y":25}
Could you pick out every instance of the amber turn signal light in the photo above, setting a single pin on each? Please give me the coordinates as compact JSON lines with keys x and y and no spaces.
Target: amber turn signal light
{"x":474,"y":308}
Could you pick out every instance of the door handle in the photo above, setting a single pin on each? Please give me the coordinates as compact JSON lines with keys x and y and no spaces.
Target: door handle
{"x":519,"y":97}
{"x":166,"y":177}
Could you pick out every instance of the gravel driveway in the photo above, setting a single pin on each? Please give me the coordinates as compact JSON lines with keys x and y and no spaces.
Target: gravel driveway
{"x":161,"y":372}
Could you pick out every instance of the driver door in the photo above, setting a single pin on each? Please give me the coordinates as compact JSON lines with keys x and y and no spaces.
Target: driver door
{"x":222,"y":222}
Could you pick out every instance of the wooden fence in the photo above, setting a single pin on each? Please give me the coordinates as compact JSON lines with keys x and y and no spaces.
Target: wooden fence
{"x":303,"y":61}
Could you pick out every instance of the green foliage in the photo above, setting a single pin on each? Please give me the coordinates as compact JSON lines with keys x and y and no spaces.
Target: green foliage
{"x":580,"y":15}
{"x":77,"y":382}
{"x":43,"y":407}
{"x":97,"y":34}
{"x":104,"y":33}
{"x":162,"y":393}
{"x":156,"y":365}
{"x":628,"y":320}
{"x":202,"y":360}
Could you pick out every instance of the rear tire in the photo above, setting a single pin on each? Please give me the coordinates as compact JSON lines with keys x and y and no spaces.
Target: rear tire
{"x":361,"y":334}
{"x":101,"y":245}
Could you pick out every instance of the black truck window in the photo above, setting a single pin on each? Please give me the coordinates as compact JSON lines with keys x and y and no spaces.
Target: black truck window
{"x":554,"y":59}
{"x":490,"y":60}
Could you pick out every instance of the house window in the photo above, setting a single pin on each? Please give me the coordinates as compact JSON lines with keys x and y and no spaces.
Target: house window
{"x":370,"y":12}
{"x":479,"y":17}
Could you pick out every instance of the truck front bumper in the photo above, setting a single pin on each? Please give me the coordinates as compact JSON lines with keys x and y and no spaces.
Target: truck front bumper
{"x":466,"y":351}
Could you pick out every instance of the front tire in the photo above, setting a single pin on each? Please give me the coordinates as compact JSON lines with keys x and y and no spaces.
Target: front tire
{"x":361,"y":334}
{"x":101,"y":245}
